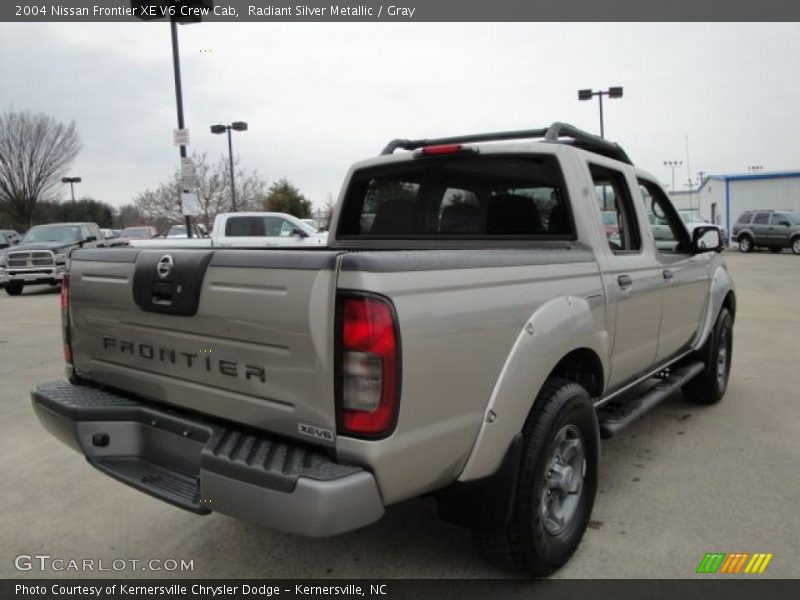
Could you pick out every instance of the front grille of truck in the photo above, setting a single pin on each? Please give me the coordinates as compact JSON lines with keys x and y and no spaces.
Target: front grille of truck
{"x":31,"y":259}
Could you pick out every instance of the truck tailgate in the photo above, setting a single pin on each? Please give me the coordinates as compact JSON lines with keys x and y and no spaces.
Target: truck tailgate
{"x":256,"y":347}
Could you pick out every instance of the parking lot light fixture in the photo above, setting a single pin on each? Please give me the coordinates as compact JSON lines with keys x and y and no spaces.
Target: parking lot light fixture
{"x":71,"y":181}
{"x":612,"y":92}
{"x":673,"y":164}
{"x":220,"y":129}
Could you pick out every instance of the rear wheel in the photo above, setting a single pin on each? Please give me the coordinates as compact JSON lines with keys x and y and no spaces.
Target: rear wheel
{"x":14,"y":288}
{"x":709,"y":386}
{"x":745,"y":243}
{"x":556,"y":486}
{"x":796,"y":245}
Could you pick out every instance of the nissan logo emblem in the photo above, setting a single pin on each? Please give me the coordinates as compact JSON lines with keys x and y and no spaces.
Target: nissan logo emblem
{"x":164,"y":266}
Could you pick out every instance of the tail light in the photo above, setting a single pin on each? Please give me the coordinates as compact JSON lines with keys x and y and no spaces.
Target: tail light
{"x":65,"y":329}
{"x":368,"y":367}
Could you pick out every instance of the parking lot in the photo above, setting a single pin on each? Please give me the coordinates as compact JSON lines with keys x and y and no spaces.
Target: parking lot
{"x":684,"y":481}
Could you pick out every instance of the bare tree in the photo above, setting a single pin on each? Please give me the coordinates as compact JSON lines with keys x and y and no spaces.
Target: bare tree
{"x":35,"y":151}
{"x":213,"y":192}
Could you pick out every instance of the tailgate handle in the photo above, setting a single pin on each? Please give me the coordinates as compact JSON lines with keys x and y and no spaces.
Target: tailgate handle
{"x":162,"y":293}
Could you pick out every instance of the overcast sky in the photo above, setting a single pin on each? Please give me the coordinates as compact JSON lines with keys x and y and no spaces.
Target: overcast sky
{"x":318,"y":97}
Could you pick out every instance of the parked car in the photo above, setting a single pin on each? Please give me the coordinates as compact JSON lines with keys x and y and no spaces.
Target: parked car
{"x":43,"y":254}
{"x":11,"y":236}
{"x":692,"y":219}
{"x":472,"y":340}
{"x":179,"y":231}
{"x":771,"y":229}
{"x":111,"y":237}
{"x":247,"y":229}
{"x":610,"y":223}
{"x":311,"y":223}
{"x":141,"y":232}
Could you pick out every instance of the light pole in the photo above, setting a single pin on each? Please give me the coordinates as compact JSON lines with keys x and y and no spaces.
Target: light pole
{"x":673,"y":164}
{"x":235,"y":126}
{"x":148,"y":10}
{"x":71,"y":181}
{"x":612,"y":92}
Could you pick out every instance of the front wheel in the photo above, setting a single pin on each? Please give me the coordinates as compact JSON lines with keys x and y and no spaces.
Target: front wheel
{"x":14,"y":288}
{"x":556,"y":485}
{"x":745,"y":244}
{"x":709,"y":386}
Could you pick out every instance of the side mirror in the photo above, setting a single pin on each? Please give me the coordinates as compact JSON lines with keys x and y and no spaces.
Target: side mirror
{"x":90,"y":238}
{"x":4,"y":245}
{"x":706,"y":239}
{"x":299,"y":232}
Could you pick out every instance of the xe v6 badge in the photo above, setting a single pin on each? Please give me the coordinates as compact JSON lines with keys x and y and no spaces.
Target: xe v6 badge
{"x":315,"y":432}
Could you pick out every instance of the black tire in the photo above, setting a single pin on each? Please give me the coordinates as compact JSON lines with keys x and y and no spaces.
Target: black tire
{"x":709,"y":386}
{"x":531,"y":542}
{"x":796,"y":245}
{"x":14,"y":288}
{"x":745,"y":243}
{"x":775,"y":249}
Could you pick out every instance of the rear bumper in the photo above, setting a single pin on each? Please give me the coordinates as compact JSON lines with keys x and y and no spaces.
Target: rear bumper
{"x":203,"y":465}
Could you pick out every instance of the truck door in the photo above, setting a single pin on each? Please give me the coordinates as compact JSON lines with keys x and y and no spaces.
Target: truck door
{"x":761,"y":228}
{"x":684,"y":275}
{"x":633,"y":284}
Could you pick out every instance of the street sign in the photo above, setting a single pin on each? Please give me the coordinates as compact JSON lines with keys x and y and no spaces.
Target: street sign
{"x":188,"y":175}
{"x":190,"y":205}
{"x":180,"y":137}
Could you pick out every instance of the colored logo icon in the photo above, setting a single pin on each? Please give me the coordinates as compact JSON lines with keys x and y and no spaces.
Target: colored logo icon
{"x":734,"y":563}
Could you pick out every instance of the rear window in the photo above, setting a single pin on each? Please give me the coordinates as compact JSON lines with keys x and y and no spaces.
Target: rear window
{"x":458,"y":197}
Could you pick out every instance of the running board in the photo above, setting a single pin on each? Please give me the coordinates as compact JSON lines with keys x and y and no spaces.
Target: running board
{"x":618,"y":414}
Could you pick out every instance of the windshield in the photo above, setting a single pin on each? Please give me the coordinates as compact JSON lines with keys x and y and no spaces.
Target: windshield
{"x":139,"y":233}
{"x":50,"y":233}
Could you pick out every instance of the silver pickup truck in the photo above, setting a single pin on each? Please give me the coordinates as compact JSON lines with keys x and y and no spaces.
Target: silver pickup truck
{"x":470,"y":332}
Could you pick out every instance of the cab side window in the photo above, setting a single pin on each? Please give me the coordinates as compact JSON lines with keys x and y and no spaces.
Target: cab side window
{"x":618,"y":213}
{"x":669,"y":232}
{"x":761,"y":219}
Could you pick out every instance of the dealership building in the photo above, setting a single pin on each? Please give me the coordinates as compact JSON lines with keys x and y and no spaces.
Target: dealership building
{"x":722,"y":198}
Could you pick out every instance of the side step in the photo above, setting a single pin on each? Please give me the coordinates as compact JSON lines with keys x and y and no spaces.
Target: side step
{"x":617,"y":415}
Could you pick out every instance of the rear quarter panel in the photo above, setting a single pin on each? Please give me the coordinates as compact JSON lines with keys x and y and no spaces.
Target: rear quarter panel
{"x":458,"y":327}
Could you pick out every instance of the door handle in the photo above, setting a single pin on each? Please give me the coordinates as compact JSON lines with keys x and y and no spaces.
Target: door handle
{"x":624,"y":281}
{"x":667,"y":274}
